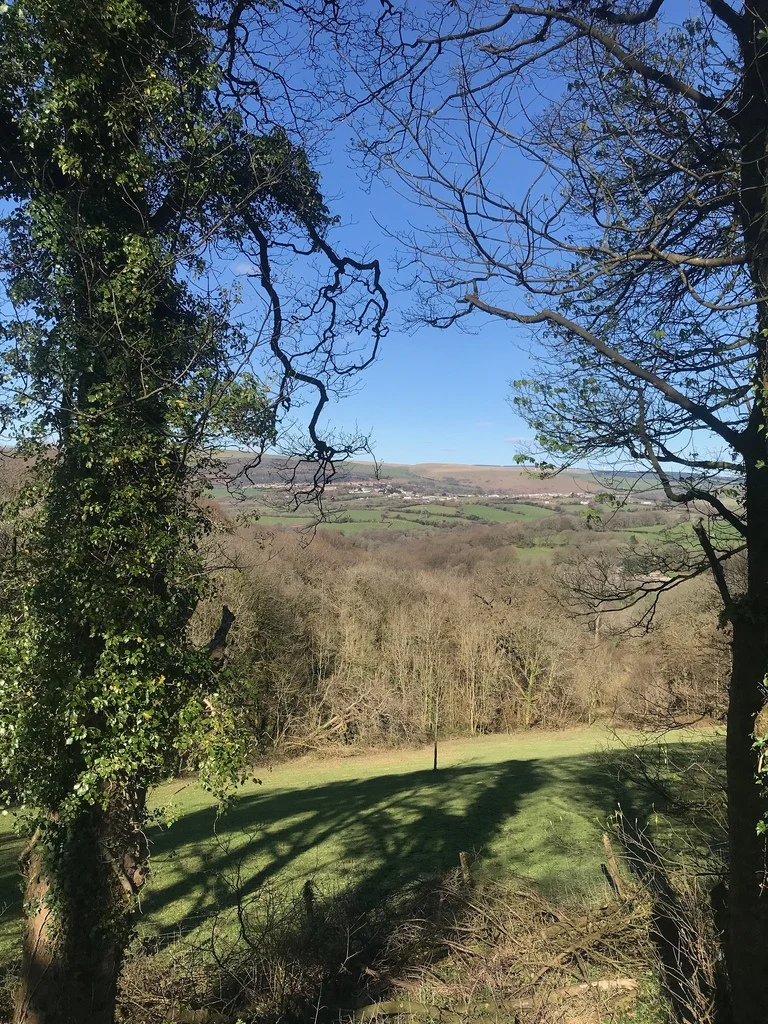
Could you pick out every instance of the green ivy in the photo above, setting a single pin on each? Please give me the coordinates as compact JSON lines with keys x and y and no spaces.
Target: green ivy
{"x":121,"y":171}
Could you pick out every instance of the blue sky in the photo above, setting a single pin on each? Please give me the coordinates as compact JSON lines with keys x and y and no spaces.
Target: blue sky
{"x":433,"y":395}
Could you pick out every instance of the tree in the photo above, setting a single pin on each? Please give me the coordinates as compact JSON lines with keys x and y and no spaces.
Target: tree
{"x":598,"y":175}
{"x":135,"y":165}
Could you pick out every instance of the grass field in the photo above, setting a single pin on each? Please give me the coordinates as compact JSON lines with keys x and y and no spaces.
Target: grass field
{"x":509,"y":514}
{"x":360,"y":525}
{"x":345,"y":519}
{"x":527,"y":804}
{"x":535,"y":553}
{"x":450,"y":512}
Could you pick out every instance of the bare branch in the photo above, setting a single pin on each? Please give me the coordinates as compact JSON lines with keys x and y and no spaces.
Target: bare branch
{"x":729,"y":17}
{"x":734,"y":439}
{"x":714,"y":562}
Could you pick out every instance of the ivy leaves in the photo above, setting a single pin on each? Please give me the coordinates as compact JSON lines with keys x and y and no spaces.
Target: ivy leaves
{"x":121,"y":375}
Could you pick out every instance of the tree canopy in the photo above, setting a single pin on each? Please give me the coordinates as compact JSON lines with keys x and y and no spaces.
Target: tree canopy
{"x":134,"y":169}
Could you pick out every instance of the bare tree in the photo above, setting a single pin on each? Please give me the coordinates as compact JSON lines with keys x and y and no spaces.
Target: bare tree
{"x":597,"y":175}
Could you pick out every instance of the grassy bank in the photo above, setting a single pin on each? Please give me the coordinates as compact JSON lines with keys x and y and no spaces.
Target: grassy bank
{"x":528,"y":804}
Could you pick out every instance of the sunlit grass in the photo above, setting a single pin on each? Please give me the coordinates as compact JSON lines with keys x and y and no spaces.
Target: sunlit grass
{"x":529,"y":804}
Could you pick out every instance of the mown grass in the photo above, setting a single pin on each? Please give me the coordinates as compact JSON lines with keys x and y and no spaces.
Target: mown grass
{"x":387,"y":524}
{"x":356,"y":515}
{"x":286,"y":520}
{"x":527,"y":805}
{"x":346,"y":519}
{"x":343,"y":520}
{"x":10,"y":893}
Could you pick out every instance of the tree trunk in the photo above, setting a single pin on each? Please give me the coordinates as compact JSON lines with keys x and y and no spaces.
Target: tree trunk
{"x":747,"y":940}
{"x":78,"y":924}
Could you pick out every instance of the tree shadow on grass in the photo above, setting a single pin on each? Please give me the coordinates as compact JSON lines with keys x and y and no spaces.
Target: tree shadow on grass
{"x":10,"y":879}
{"x":344,"y":939}
{"x":378,"y":850}
{"x":390,"y":830}
{"x":387,"y":832}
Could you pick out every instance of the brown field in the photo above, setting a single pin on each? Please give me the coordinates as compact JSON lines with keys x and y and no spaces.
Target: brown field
{"x":507,"y":479}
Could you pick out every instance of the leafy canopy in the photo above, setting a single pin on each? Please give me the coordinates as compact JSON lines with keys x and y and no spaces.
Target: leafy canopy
{"x":129,"y":171}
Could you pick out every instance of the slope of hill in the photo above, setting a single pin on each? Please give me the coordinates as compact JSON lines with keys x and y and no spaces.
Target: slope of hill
{"x":421,"y":478}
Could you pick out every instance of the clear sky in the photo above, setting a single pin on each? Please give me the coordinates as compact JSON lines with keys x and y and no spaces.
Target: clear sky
{"x":433,"y":395}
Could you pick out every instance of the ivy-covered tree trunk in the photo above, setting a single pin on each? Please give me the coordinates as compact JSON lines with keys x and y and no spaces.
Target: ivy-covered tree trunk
{"x":134,"y":172}
{"x":78,"y":920}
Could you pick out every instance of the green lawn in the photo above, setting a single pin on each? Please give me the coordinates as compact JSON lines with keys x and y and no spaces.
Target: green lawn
{"x":524,"y":804}
{"x":510,"y":514}
{"x":423,"y":519}
{"x":535,"y":553}
{"x":340,"y":520}
{"x":356,"y":515}
{"x":10,"y":898}
{"x":529,"y":511}
{"x":389,"y":516}
{"x":286,"y":520}
{"x":385,"y":524}
{"x":449,"y":512}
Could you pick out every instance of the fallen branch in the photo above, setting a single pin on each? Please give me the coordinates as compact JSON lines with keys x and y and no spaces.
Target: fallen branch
{"x":492,"y":1011}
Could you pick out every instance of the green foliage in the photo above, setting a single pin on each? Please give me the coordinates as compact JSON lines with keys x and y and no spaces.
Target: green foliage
{"x":135,"y":166}
{"x":120,"y":171}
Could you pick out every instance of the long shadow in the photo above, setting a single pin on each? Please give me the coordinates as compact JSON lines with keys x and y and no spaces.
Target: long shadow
{"x":396,"y":832}
{"x":401,"y":832}
{"x":391,"y":830}
{"x":398,"y":827}
{"x":10,"y":880}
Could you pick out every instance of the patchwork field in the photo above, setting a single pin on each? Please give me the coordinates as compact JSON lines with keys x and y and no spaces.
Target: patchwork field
{"x":506,"y":513}
{"x":350,"y":516}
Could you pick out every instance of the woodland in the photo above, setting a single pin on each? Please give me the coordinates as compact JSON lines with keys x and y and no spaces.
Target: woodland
{"x":262,"y":771}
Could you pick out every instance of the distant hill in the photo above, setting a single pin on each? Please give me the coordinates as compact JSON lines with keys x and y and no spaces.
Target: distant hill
{"x":438,"y":477}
